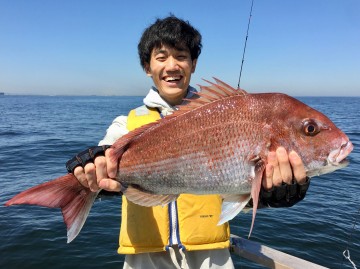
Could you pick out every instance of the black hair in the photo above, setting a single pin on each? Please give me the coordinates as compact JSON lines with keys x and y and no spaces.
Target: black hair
{"x":170,"y":31}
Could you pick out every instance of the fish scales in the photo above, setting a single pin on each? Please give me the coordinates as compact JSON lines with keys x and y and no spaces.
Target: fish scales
{"x":216,"y":148}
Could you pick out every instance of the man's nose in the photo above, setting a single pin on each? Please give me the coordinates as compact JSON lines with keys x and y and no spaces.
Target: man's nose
{"x":172,"y":64}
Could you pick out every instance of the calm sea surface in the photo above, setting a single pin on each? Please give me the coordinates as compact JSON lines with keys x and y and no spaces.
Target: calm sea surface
{"x":38,"y":134}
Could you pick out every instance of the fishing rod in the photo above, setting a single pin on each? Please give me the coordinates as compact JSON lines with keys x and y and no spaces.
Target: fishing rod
{"x":247,"y":35}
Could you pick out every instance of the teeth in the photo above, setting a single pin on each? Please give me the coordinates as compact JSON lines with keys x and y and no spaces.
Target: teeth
{"x":167,"y":79}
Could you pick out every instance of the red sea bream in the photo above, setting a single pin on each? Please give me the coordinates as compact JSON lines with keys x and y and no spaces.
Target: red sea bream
{"x":216,"y":143}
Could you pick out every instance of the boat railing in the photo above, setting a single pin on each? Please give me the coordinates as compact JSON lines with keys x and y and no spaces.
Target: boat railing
{"x":268,"y":257}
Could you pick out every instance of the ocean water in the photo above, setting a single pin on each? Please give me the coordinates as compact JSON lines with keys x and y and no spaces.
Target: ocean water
{"x":38,"y":134}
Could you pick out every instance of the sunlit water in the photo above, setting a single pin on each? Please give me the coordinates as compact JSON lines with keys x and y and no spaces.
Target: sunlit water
{"x":39,"y":134}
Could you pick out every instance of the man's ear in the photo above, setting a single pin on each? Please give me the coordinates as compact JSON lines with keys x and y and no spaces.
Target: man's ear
{"x":147,"y":70}
{"x":194,"y":62}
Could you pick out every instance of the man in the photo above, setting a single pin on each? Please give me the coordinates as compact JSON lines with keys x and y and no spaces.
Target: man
{"x":175,"y":236}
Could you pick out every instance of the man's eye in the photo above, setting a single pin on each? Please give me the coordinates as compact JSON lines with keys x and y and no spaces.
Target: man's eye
{"x":161,"y":59}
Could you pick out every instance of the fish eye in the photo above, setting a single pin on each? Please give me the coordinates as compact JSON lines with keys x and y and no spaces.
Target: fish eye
{"x":311,"y":128}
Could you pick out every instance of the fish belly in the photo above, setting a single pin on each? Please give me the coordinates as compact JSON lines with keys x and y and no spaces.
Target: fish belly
{"x":220,"y":171}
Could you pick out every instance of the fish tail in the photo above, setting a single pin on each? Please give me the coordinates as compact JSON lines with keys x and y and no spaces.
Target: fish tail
{"x":66,"y":193}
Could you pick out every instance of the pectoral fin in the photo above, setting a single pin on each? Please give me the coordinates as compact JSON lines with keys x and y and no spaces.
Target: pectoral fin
{"x":255,"y":189}
{"x":232,"y":205}
{"x":144,"y":198}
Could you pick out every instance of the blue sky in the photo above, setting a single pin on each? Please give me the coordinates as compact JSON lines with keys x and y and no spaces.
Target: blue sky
{"x":299,"y":47}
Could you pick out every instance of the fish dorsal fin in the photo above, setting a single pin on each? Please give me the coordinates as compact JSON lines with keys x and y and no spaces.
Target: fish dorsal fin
{"x":208,"y":94}
{"x":227,"y":86}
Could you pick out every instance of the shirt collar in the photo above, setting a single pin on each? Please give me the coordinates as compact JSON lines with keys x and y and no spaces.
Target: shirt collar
{"x":153,"y":98}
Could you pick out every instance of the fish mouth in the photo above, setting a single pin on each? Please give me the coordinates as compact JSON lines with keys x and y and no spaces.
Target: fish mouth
{"x":338,"y":155}
{"x":335,"y":161}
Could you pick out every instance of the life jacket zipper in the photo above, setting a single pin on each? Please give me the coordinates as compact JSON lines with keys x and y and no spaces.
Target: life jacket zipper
{"x":173,"y":223}
{"x":174,"y":238}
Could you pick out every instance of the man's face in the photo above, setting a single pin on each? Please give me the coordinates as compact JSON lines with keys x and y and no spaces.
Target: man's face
{"x":171,"y":71}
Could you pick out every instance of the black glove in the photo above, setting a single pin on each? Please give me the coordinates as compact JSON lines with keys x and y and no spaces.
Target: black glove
{"x":285,"y":195}
{"x":86,"y":156}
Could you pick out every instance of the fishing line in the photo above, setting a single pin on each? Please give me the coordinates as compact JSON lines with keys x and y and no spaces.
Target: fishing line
{"x":247,"y":35}
{"x":346,"y":252}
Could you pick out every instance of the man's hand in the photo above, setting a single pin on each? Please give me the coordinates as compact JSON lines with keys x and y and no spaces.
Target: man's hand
{"x":285,"y":168}
{"x":284,"y":181}
{"x":99,"y":174}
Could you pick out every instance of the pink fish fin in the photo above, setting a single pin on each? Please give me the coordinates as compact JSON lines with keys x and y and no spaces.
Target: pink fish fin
{"x":225,"y":85}
{"x":144,"y":198}
{"x":121,"y":145}
{"x":200,"y":101}
{"x":197,"y":100}
{"x":255,"y":189}
{"x":224,"y":90}
{"x":232,"y":205}
{"x":214,"y":91}
{"x":208,"y":94}
{"x":64,"y":192}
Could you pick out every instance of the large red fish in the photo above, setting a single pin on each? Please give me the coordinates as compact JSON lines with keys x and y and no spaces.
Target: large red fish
{"x":215,"y":144}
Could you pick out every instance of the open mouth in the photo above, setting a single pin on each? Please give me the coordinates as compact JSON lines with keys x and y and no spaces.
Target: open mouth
{"x":336,"y":160}
{"x":172,"y":79}
{"x":338,"y":155}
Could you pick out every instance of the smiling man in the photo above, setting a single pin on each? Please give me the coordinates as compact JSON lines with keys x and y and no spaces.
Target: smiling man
{"x":183,"y":234}
{"x":171,"y":71}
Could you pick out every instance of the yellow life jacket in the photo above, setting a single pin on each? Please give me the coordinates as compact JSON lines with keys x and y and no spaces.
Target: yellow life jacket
{"x":190,"y":221}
